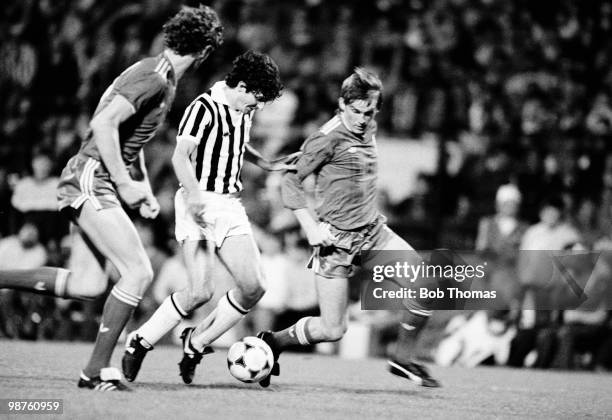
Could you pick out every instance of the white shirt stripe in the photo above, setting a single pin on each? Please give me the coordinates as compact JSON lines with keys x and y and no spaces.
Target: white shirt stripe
{"x":205,"y":122}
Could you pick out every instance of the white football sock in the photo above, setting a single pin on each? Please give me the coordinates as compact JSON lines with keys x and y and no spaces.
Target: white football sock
{"x":166,"y":317}
{"x":227,"y":314}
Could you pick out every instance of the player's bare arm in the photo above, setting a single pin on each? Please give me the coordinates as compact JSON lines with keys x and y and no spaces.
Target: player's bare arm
{"x":318,"y":234}
{"x":316,"y":152}
{"x":105,"y":129}
{"x":284,"y":163}
{"x":185,"y":173}
{"x":150,"y":208}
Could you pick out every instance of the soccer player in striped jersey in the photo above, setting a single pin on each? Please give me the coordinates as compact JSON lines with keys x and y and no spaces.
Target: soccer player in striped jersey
{"x":212,"y":142}
{"x":96,"y":181}
{"x":342,"y":155}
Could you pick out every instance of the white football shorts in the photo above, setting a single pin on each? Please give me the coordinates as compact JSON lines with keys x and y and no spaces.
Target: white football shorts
{"x":224,"y":216}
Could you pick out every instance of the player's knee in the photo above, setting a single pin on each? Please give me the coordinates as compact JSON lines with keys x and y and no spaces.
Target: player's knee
{"x":200,"y":295}
{"x":252,"y":293}
{"x":140,"y":274}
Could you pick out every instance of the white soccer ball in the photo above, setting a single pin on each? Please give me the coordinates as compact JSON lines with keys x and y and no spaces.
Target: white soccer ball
{"x":250,"y":359}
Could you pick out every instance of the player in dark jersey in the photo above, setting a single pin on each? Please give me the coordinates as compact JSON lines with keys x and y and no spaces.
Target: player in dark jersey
{"x":342,"y":156}
{"x":96,"y":182}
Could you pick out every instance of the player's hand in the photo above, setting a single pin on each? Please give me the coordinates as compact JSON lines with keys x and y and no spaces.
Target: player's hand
{"x":196,"y":207}
{"x":285,"y":163}
{"x":132,"y":193}
{"x":320,"y":235}
{"x":150,"y":208}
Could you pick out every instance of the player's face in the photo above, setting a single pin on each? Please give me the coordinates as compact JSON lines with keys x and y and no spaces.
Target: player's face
{"x":358,"y":115}
{"x":248,"y":101}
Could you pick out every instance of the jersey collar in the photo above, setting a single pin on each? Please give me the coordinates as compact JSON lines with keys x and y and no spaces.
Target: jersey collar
{"x":217,"y":93}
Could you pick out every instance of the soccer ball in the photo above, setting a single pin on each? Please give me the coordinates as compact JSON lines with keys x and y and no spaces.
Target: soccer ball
{"x":250,"y":359}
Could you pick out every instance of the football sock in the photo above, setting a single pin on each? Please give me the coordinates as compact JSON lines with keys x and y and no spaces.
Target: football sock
{"x":295,"y":335}
{"x":410,"y":327}
{"x":45,"y":280}
{"x":166,"y":317}
{"x":117,"y":311}
{"x":227,"y":314}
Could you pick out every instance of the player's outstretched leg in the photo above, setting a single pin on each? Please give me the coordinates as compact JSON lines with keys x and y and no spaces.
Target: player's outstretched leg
{"x":329,"y":327}
{"x":402,"y":363}
{"x":45,"y":280}
{"x":85,"y":279}
{"x":414,"y":320}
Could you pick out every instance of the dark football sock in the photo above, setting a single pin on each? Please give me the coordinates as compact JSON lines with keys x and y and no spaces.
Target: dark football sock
{"x":45,"y":280}
{"x":410,"y":327}
{"x":117,"y":311}
{"x":295,"y":335}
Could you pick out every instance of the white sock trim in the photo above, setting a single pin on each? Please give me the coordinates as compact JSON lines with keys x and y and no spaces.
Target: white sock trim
{"x":61,"y":282}
{"x":177,"y":306}
{"x":126,"y":297}
{"x":232,"y":301}
{"x":300,"y":331}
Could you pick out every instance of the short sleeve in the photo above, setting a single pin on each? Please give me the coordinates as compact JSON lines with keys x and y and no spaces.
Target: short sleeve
{"x":141,"y":88}
{"x":317,"y":150}
{"x":195,"y":120}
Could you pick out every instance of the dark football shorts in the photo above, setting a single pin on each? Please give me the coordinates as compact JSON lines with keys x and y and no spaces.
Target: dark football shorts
{"x":342,"y":258}
{"x":83,"y":179}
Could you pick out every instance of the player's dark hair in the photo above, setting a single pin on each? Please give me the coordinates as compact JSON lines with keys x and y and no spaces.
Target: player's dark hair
{"x":260,"y":74}
{"x":360,"y":85}
{"x":192,"y":29}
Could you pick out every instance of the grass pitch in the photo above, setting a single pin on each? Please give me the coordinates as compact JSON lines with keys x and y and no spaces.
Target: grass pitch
{"x":310,"y":387}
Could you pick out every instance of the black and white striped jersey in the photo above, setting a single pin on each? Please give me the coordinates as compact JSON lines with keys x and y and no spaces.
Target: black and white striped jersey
{"x":221,"y":134}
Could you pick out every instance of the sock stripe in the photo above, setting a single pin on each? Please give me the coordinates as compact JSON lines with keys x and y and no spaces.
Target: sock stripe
{"x":126,"y":297}
{"x":407,"y":326}
{"x":421,"y":312}
{"x":300,"y":331}
{"x":235,"y":304}
{"x":178,"y":308}
{"x":61,"y":282}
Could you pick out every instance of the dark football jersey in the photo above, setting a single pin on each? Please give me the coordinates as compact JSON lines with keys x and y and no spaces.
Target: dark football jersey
{"x":345,"y":166}
{"x":149,"y":85}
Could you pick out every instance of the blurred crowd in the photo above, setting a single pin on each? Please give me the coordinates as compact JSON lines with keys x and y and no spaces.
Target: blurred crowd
{"x":512,"y":92}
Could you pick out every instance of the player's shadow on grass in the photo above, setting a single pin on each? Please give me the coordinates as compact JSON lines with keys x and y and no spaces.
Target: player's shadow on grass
{"x":157,"y":386}
{"x":335,"y":389}
{"x":302,"y":388}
